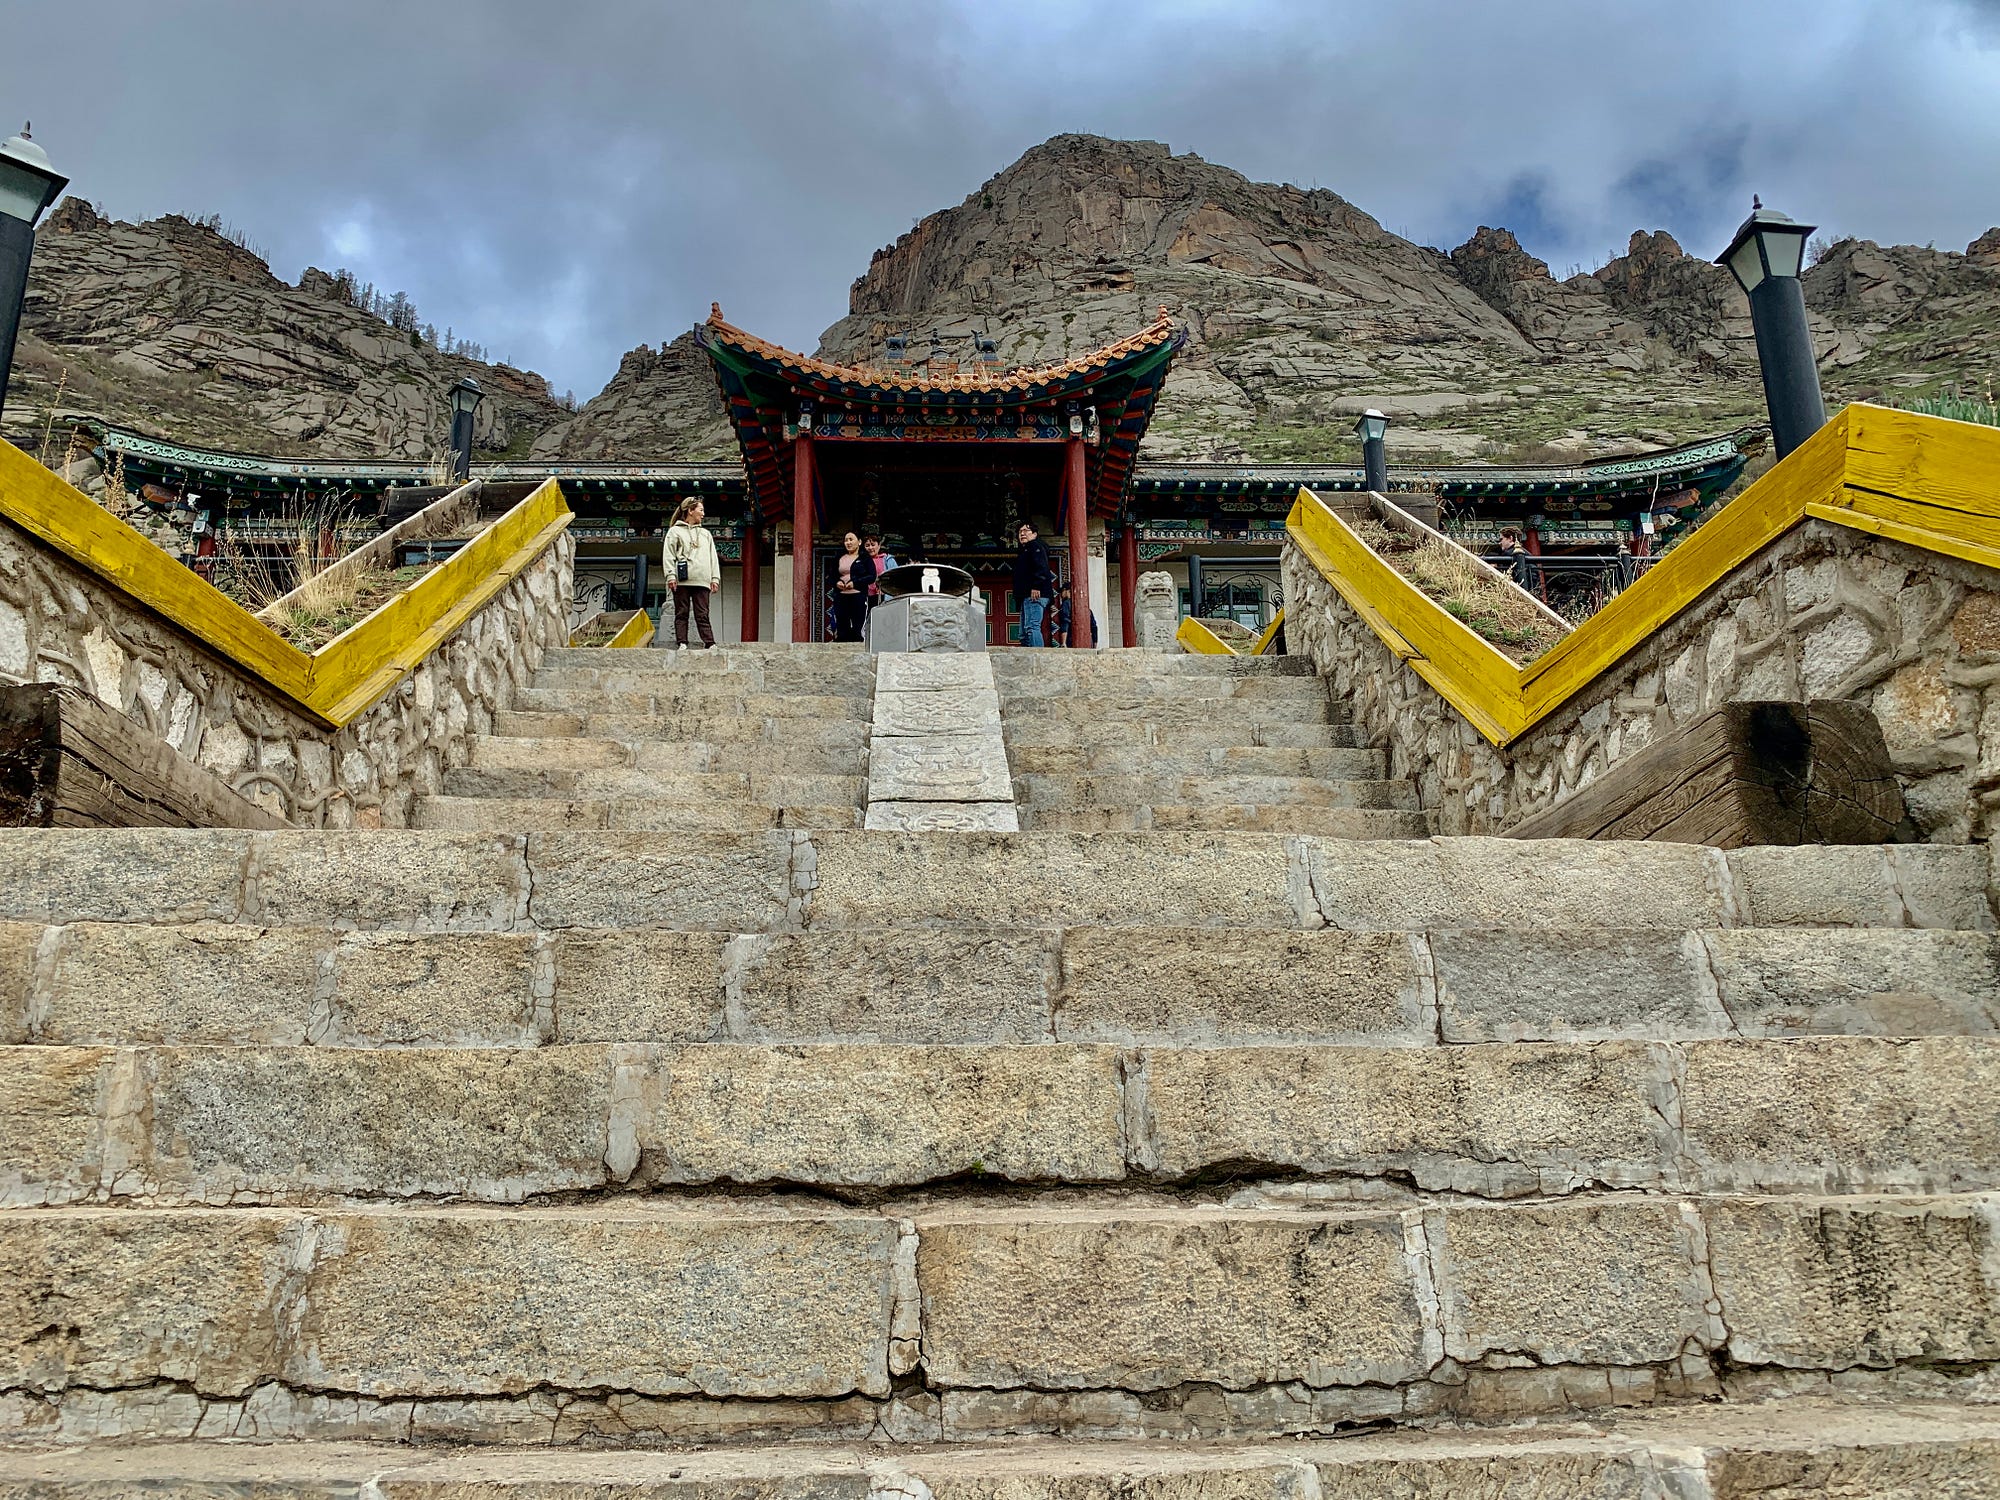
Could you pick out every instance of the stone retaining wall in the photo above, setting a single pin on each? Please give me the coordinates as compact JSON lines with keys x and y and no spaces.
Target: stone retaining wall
{"x":1825,"y":612}
{"x":60,"y":623}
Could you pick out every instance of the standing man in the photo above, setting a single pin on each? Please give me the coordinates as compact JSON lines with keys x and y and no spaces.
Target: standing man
{"x":1033,"y":584}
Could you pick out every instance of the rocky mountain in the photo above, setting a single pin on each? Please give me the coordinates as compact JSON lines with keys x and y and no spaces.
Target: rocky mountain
{"x":171,"y":327}
{"x":660,"y":403}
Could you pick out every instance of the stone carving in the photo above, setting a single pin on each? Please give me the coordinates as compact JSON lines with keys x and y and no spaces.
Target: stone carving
{"x":1158,"y":612}
{"x":59,"y":623}
{"x":936,"y":757}
{"x":1824,"y":612}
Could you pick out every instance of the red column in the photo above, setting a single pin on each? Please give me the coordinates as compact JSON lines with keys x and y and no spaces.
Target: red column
{"x":1128,"y":581}
{"x":1079,"y":549}
{"x":751,"y":574}
{"x":802,"y":538}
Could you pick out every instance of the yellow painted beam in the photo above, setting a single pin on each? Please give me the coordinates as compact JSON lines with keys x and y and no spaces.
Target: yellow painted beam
{"x":344,"y":677}
{"x":637,"y":631}
{"x":1198,"y":640}
{"x":1923,"y":481}
{"x":1270,"y":634}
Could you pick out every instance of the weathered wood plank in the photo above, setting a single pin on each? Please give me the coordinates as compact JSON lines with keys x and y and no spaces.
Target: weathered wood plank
{"x":68,"y":761}
{"x":1747,"y":773}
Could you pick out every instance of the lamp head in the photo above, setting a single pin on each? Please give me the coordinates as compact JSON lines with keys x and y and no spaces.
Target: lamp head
{"x":28,"y":184}
{"x":466,"y":396}
{"x":1767,"y":244}
{"x":1371,"y":426}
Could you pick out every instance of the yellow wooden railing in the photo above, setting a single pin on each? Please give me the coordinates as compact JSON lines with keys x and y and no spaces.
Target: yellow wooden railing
{"x":1197,"y":639}
{"x":637,"y":631}
{"x":339,"y":681}
{"x":1924,"y":481}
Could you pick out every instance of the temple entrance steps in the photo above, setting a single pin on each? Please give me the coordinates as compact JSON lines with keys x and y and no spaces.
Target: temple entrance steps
{"x":1105,"y":741}
{"x":698,"y":742}
{"x":379,"y":1144}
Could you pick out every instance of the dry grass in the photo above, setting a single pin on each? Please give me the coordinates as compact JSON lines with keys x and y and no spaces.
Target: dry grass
{"x":1494,"y":610}
{"x":291,"y":575}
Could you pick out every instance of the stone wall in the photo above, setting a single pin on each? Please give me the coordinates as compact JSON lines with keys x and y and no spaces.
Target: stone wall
{"x":59,"y":623}
{"x":1825,"y":612}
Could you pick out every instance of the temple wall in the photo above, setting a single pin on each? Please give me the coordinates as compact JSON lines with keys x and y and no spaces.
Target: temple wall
{"x":60,"y":623}
{"x":1825,"y":612}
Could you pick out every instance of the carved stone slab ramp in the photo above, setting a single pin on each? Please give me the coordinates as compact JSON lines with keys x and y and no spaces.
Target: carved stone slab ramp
{"x":936,"y":760}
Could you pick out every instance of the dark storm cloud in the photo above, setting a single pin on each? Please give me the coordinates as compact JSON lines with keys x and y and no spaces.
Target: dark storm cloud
{"x":563,"y":182}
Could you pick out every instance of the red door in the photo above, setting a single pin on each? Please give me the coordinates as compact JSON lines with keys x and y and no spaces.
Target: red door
{"x":1003,"y":615}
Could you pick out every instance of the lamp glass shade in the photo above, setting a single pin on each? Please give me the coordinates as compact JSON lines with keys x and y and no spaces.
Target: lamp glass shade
{"x":1372,"y":427}
{"x":465,"y":398}
{"x":28,"y":185}
{"x":1784,"y":250}
{"x":1747,"y":264}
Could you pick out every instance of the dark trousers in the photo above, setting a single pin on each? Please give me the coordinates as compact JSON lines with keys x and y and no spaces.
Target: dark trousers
{"x":686,"y":598}
{"x":848,"y":610}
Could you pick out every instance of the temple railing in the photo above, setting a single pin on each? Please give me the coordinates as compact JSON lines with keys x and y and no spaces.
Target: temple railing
{"x":1923,"y":481}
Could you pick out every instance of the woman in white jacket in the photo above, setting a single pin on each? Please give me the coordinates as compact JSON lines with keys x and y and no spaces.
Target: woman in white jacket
{"x":693,"y":571}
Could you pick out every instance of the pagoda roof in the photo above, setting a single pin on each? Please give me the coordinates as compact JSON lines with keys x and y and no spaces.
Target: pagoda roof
{"x":765,"y":385}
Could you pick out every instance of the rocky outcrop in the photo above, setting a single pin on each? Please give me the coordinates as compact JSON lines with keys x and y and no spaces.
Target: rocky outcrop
{"x":661,"y":402}
{"x":172,"y":327}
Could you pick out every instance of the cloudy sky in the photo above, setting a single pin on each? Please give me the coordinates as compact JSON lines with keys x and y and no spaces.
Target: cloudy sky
{"x":565,"y":181}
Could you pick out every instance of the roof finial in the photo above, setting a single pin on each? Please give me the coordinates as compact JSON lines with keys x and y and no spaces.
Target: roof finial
{"x":715,"y":312}
{"x":1164,"y":318}
{"x":1756,"y":204}
{"x":27,"y":130}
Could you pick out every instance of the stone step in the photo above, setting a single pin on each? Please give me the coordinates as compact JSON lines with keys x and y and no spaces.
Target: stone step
{"x":695,"y":708}
{"x":747,"y":783}
{"x":709,"y":728}
{"x":1175,"y":760}
{"x":855,"y":679}
{"x":1321,"y":821}
{"x":1062,"y":792}
{"x":210,"y":983}
{"x":1122,"y":663}
{"x":1037,"y":730}
{"x":1745,"y":1449}
{"x":1240,"y":693}
{"x":659,"y":757}
{"x":349,"y":1320}
{"x":1165,"y":711}
{"x":827,"y":654}
{"x":241,"y":1125}
{"x":414,"y":879}
{"x":637,"y":814}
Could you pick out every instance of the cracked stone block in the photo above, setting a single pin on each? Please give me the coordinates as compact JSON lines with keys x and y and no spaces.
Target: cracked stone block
{"x":1839,"y":1283}
{"x":52,"y":1103}
{"x":205,"y":983}
{"x":903,"y":672}
{"x":1135,"y":1301}
{"x":659,"y":1302}
{"x":968,"y":987}
{"x":1858,"y":981}
{"x":423,"y":881}
{"x":1028,"y":880}
{"x":1837,"y":1114}
{"x":121,"y":874}
{"x":615,"y":986}
{"x":18,"y":942}
{"x":1549,"y":1474}
{"x":1167,"y":986}
{"x":280,"y":1122}
{"x":139,"y":1297}
{"x":943,"y":817}
{"x":1942,"y":886}
{"x":939,"y":769}
{"x":944,"y":711}
{"x":1816,"y":886}
{"x":727,"y":882}
{"x":1498,"y":1121}
{"x":399,"y":989}
{"x":1586,"y":1283}
{"x":882,"y":1116}
{"x":1514,"y":986}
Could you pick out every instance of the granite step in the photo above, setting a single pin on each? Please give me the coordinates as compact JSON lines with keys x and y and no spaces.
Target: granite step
{"x":1742,"y":1450}
{"x":827,"y":654}
{"x":416,"y":879}
{"x":659,"y":757}
{"x":674,"y":814}
{"x":716,"y":729}
{"x":1324,"y":821}
{"x":240,"y":1125}
{"x":853,"y":678}
{"x":696,"y":700}
{"x":1090,"y":665}
{"x":1053,"y":792}
{"x":1034,"y":730}
{"x":1036,"y":687}
{"x":748,"y":782}
{"x":1179,"y":761}
{"x":1167,"y":711}
{"x":1074,"y":1317}
{"x":220,"y":984}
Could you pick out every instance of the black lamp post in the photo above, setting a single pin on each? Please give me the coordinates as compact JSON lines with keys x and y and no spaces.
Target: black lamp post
{"x":28,"y":185}
{"x":1765,"y":258}
{"x":1371,"y":429}
{"x":465,"y":399}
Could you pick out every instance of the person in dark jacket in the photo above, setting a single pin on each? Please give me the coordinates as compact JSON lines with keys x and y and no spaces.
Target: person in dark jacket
{"x":1034,"y":583}
{"x":1520,"y":564}
{"x":1066,"y":620}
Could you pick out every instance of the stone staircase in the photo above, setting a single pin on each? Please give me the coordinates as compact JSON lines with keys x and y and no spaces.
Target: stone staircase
{"x":466,"y":1162}
{"x":756,"y":736}
{"x":1123,"y":740}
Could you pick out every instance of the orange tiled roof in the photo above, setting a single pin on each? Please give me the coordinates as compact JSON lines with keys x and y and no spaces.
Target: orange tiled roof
{"x":1161,"y":329}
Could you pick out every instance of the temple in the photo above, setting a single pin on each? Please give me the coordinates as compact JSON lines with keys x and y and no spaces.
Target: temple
{"x":945,"y":462}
